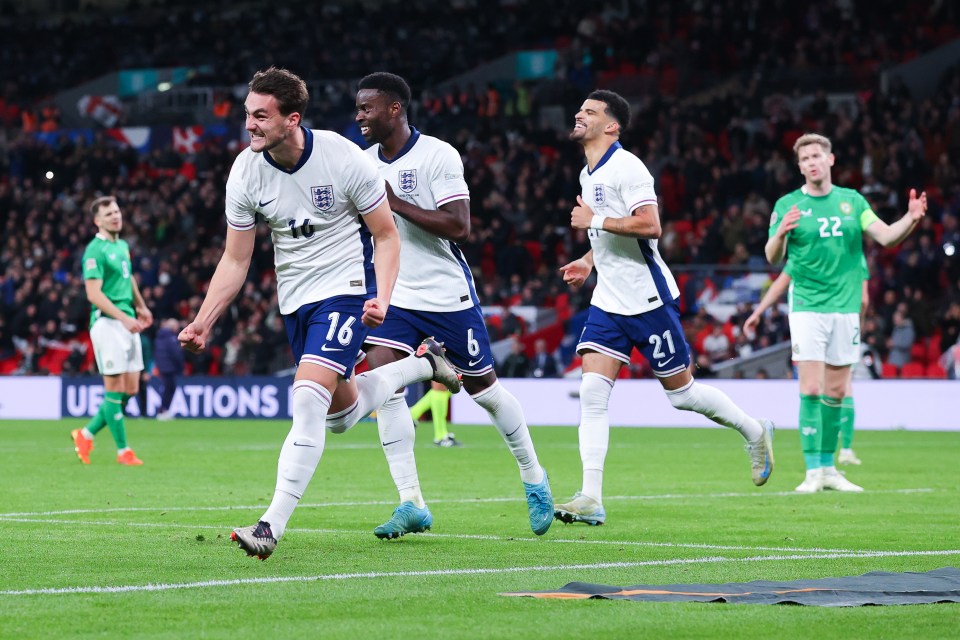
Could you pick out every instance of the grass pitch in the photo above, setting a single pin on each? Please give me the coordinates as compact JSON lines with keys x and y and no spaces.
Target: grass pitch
{"x":111,"y":551}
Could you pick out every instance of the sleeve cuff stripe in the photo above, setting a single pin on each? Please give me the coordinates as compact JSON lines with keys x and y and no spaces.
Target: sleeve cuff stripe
{"x":642,"y":202}
{"x":374,"y":205}
{"x":241,"y":227}
{"x":456,"y":196}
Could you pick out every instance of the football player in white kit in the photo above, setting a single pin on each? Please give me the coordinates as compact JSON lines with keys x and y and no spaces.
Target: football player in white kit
{"x":434,"y":296}
{"x":634,"y":303}
{"x":324,"y":202}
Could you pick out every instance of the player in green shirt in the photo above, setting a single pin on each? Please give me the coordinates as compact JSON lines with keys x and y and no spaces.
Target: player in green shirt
{"x":847,"y":412}
{"x":822,"y":226}
{"x":118,"y":314}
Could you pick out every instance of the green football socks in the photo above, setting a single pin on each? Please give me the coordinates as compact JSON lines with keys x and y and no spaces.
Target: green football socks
{"x":97,"y":422}
{"x":846,"y":422}
{"x":112,"y":409}
{"x":829,"y":428}
{"x":810,"y":427}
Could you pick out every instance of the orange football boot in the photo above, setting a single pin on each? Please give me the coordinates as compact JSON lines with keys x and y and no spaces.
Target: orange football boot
{"x":81,"y":445}
{"x":128,"y":457}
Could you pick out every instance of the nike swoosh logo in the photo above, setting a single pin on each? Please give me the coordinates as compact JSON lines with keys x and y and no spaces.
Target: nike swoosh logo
{"x":473,"y":362}
{"x":325,"y":348}
{"x":261,"y":205}
{"x":514,"y":431}
{"x":387,"y":444}
{"x":300,"y":444}
{"x":665,"y":362}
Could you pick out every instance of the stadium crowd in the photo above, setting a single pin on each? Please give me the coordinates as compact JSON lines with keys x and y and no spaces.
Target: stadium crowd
{"x":719,"y":163}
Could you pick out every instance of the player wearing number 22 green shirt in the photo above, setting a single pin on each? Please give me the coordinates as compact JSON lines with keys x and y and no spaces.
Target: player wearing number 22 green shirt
{"x":821,"y":226}
{"x":118,"y":314}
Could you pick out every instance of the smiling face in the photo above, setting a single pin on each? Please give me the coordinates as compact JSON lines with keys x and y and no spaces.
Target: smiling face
{"x":376,"y":114}
{"x":591,"y":121}
{"x":814,"y":162}
{"x":267,"y":127}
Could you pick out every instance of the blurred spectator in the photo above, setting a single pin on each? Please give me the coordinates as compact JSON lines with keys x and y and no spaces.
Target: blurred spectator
{"x":169,"y":360}
{"x":869,"y":366}
{"x":718,"y":164}
{"x":717,"y":345}
{"x":950,"y":361}
{"x":543,"y":364}
{"x":950,"y":327}
{"x":901,"y":339}
{"x":515,"y":365}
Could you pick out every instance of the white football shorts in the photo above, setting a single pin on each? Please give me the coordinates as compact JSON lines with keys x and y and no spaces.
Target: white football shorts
{"x":116,"y":349}
{"x":833,"y":338}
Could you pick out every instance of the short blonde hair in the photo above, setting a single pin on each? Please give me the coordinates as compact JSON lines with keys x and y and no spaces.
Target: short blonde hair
{"x":811,"y":138}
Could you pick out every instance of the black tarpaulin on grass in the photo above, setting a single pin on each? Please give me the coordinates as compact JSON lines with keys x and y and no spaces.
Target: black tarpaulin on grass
{"x":877,"y":588}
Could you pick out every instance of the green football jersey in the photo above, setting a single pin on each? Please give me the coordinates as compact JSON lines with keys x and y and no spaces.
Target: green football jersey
{"x":110,"y":262}
{"x":788,"y":268}
{"x":826,"y":260}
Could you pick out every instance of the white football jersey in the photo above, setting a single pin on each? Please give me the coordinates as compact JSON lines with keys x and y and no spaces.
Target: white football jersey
{"x":632,"y":278}
{"x":321,"y":246}
{"x":434,"y":276}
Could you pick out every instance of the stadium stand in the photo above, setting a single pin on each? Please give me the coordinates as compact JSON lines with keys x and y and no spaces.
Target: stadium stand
{"x":713,"y":122}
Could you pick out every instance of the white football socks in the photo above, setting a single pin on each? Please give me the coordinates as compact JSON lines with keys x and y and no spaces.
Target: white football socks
{"x":376,"y":386}
{"x":397,"y":437}
{"x":300,"y":453}
{"x":716,"y":405}
{"x":594,"y":431}
{"x":507,"y":414}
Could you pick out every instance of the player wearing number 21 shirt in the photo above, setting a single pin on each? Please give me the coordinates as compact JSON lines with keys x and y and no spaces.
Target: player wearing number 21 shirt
{"x":634,"y":303}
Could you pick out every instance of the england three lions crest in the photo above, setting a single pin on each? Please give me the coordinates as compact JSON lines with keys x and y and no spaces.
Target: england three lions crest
{"x":408,"y":180}
{"x":599,"y":197}
{"x":322,"y":197}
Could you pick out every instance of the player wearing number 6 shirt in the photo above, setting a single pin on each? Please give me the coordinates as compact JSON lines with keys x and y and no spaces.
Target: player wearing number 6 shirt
{"x":822,"y":227}
{"x":434,"y":296}
{"x":327,"y":210}
{"x":634,"y":303}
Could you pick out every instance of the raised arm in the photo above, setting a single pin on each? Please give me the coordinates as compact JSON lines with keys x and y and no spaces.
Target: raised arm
{"x":893,"y":234}
{"x":224,"y":286}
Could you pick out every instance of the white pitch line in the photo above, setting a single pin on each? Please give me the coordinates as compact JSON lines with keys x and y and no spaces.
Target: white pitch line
{"x":455,"y":572}
{"x":376,"y":503}
{"x":456,"y":536}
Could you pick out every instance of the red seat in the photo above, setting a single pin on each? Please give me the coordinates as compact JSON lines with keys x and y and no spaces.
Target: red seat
{"x":934,"y":370}
{"x":918,"y":352}
{"x":10,"y":364}
{"x":52,"y":360}
{"x":913,"y":370}
{"x":890,"y":371}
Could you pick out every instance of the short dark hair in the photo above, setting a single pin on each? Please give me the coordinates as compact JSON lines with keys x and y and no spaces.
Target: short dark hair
{"x":286,"y":86}
{"x":389,"y":83}
{"x":617,"y":106}
{"x":99,"y":203}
